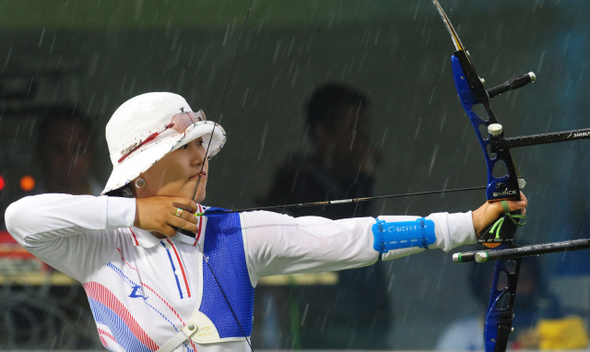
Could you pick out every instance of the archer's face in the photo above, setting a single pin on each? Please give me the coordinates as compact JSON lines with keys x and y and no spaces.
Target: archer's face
{"x":178,"y":173}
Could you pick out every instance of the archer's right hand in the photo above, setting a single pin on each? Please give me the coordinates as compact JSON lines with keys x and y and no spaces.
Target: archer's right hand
{"x":159,"y":214}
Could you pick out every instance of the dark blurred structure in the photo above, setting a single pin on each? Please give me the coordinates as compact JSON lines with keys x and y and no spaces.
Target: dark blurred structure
{"x":355,"y":312}
{"x":50,"y":148}
{"x":46,"y":314}
{"x":65,"y":151}
{"x":45,"y":137}
{"x":44,"y":308}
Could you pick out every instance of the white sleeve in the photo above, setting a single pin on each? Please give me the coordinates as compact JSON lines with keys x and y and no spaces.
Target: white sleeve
{"x":67,"y":231}
{"x":279,"y":244}
{"x":451,"y":230}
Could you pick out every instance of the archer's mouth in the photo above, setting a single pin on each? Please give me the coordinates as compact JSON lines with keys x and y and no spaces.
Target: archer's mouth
{"x":200,"y":174}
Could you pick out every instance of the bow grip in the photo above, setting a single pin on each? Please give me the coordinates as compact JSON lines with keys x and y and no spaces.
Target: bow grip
{"x":504,"y":234}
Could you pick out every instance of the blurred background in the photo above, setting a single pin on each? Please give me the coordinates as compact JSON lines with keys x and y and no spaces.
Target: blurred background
{"x":89,"y":57}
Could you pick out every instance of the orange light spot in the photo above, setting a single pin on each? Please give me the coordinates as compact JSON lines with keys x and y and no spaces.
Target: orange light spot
{"x":27,"y":183}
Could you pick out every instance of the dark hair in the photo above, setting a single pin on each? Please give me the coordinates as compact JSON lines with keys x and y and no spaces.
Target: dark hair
{"x":323,"y":106}
{"x":125,"y":191}
{"x":62,"y":113}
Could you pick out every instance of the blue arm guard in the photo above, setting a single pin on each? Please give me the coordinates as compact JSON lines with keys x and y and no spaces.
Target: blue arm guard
{"x":403,"y":234}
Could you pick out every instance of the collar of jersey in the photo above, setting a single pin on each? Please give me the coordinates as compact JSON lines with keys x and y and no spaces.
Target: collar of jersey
{"x":145,"y":239}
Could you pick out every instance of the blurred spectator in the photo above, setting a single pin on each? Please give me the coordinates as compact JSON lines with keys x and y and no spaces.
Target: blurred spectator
{"x":38,"y":312}
{"x":65,"y":149}
{"x":355,"y":313}
{"x":533,"y":304}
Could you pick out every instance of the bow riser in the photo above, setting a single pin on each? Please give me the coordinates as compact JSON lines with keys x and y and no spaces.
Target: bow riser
{"x":502,"y":185}
{"x":471,"y":93}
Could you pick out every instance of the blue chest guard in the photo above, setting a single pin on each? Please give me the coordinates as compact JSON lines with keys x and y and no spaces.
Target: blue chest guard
{"x":224,"y":249}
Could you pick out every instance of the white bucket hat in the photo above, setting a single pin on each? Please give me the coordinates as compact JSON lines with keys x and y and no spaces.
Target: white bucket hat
{"x":147,"y":127}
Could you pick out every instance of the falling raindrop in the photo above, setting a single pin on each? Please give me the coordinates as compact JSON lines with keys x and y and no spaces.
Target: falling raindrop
{"x":41,"y":38}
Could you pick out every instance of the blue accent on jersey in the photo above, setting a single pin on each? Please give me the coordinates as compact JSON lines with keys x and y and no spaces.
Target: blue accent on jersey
{"x":173,"y":269}
{"x":224,"y":249}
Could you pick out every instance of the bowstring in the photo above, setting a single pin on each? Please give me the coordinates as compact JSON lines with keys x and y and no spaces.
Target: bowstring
{"x":223,"y":94}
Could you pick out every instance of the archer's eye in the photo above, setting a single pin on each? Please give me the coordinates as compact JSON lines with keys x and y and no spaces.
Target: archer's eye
{"x":184,"y":146}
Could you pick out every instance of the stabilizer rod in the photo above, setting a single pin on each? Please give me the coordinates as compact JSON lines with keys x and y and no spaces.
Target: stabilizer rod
{"x":511,"y":84}
{"x":521,"y":251}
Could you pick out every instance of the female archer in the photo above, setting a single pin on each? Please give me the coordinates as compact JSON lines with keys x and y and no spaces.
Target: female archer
{"x":154,"y":288}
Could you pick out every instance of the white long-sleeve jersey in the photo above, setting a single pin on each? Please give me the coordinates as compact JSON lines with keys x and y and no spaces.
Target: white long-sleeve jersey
{"x":153,"y":285}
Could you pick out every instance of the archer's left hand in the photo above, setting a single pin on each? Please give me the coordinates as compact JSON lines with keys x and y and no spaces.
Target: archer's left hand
{"x":489,"y":212}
